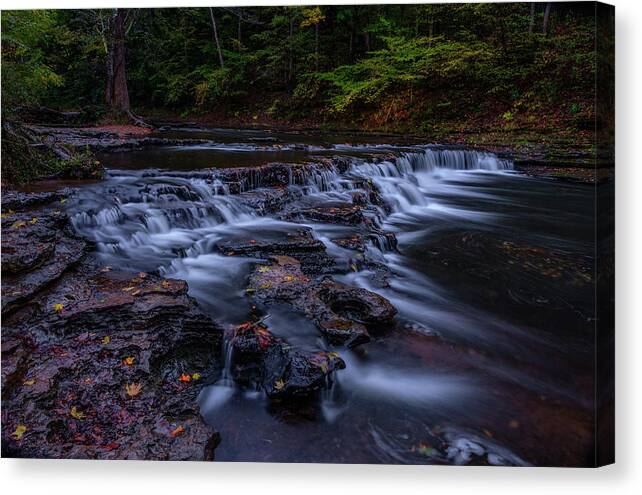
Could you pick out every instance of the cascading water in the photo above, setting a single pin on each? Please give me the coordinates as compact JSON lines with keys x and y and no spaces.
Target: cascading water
{"x":174,"y":223}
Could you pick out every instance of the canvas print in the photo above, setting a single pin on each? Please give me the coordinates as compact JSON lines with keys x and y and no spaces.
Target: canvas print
{"x":356,"y":233}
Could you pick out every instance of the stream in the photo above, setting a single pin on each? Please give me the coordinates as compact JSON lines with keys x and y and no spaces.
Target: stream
{"x":489,"y":360}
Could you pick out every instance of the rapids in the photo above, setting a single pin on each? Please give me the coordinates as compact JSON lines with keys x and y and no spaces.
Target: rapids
{"x":464,"y":377}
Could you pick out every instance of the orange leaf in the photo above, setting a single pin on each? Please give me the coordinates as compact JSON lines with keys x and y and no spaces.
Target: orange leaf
{"x":184,"y":378}
{"x":177,"y":431}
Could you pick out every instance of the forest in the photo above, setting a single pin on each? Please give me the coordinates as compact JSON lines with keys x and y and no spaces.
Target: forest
{"x":432,"y":69}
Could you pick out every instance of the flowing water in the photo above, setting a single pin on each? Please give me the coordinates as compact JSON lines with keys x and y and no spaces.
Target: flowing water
{"x":463,"y":377}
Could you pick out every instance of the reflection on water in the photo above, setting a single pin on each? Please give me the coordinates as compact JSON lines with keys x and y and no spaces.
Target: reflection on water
{"x":466,"y":376}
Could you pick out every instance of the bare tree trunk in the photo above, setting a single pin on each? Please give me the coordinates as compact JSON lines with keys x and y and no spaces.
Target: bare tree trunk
{"x":316,"y":47}
{"x":116,"y":92}
{"x":239,"y":34}
{"x":218,"y":45}
{"x":531,"y":26}
{"x":290,"y":50}
{"x":547,"y":13}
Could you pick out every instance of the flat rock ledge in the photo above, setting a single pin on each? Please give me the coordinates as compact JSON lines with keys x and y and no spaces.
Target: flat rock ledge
{"x":97,"y":363}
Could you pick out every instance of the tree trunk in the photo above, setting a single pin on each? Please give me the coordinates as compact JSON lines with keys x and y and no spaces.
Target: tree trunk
{"x":531,"y":26}
{"x":218,"y":45}
{"x":116,"y":92}
{"x":547,"y":13}
{"x":316,"y":47}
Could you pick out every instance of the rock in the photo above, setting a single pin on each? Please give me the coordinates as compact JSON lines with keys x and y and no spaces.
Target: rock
{"x":299,"y":244}
{"x":342,"y":313}
{"x":98,"y":371}
{"x":37,"y":248}
{"x":280,"y":370}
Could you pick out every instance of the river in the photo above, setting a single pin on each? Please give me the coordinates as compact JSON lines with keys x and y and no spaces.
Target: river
{"x":490,"y":357}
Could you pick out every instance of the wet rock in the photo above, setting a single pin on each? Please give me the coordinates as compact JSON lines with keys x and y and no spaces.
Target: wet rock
{"x":19,"y":201}
{"x":264,"y":201}
{"x":299,"y":244}
{"x":280,"y":370}
{"x":37,"y":248}
{"x":108,"y":367}
{"x":342,"y":313}
{"x":340,"y":213}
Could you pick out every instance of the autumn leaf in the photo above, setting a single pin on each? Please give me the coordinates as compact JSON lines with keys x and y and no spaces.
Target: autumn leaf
{"x":8,"y":213}
{"x":127,"y":289}
{"x":288,"y":278}
{"x":133,"y":389}
{"x":18,"y":224}
{"x":76,"y":414}
{"x":266,"y":285}
{"x":29,"y":383}
{"x":129,"y":361}
{"x":196,"y":376}
{"x":33,"y":220}
{"x":19,"y":431}
{"x":165,"y":284}
{"x":177,"y":431}
{"x":106,"y":340}
{"x":63,"y":201}
{"x":136,"y":292}
{"x":184,"y":378}
{"x":263,"y":269}
{"x":142,"y":275}
{"x":58,"y":307}
{"x":279,"y":384}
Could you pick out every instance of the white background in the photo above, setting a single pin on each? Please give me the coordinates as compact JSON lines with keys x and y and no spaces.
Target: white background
{"x":53,"y":477}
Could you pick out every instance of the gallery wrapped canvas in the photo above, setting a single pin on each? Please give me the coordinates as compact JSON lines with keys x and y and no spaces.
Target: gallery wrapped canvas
{"x":361,"y":233}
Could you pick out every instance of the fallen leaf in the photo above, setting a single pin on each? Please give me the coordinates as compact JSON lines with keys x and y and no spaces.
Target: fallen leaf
{"x":196,"y":376}
{"x":136,"y":292}
{"x":184,"y":378}
{"x":18,"y":224}
{"x":266,"y":285}
{"x":58,"y":307}
{"x":29,"y":383}
{"x":177,"y":431}
{"x":263,"y":269}
{"x":129,"y":361}
{"x":76,"y":414}
{"x":133,"y":389}
{"x":19,"y":431}
{"x":165,"y":284}
{"x":106,"y":339}
{"x":279,"y":384}
{"x":33,"y":220}
{"x":63,"y":200}
{"x":127,"y":289}
{"x":142,"y":275}
{"x":288,"y":278}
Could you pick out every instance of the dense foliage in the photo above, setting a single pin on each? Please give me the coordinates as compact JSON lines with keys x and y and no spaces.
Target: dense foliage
{"x":380,"y":66}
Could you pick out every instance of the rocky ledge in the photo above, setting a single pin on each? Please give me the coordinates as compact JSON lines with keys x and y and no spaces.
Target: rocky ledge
{"x":96,"y":363}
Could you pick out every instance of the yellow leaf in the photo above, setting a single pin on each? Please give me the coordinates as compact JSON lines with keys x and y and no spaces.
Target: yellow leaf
{"x":129,"y":361}
{"x":106,"y":340}
{"x":196,"y":376}
{"x":19,"y":431}
{"x":263,"y":269}
{"x":288,"y":278}
{"x":33,"y":220}
{"x":76,"y":414}
{"x":63,"y":200}
{"x":5,"y":215}
{"x":17,"y":224}
{"x":29,"y":383}
{"x":58,"y":307}
{"x":136,"y":292}
{"x":127,"y":289}
{"x":279,"y":384}
{"x":133,"y":389}
{"x":266,"y":285}
{"x":165,"y":284}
